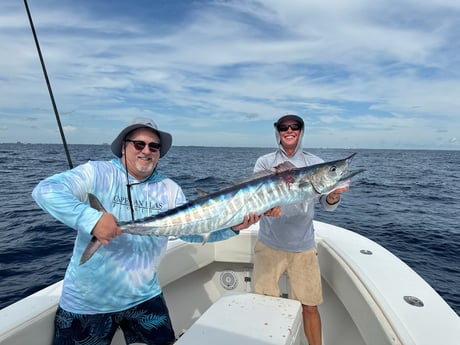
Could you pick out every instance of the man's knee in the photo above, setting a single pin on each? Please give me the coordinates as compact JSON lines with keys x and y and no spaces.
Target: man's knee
{"x":310,"y":309}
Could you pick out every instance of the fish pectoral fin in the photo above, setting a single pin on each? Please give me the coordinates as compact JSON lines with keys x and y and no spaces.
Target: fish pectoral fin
{"x":305,"y":184}
{"x":90,"y":249}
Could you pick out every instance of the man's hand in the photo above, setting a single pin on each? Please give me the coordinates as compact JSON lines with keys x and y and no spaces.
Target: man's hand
{"x":250,"y":219}
{"x":106,"y":229}
{"x":273,"y":212}
{"x":334,"y":197}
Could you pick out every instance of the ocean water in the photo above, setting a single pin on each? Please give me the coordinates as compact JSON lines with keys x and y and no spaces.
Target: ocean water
{"x":407,"y":201}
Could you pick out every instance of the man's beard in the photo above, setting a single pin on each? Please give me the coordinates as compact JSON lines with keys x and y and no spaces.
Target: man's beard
{"x":145,"y":169}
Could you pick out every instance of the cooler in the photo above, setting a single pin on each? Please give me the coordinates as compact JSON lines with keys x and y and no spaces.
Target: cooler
{"x":247,"y":319}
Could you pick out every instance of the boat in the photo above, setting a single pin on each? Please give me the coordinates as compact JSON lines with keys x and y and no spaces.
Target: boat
{"x":371,"y":297}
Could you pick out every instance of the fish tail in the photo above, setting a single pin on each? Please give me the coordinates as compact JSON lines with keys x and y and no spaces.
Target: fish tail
{"x":94,"y":244}
{"x":90,"y":249}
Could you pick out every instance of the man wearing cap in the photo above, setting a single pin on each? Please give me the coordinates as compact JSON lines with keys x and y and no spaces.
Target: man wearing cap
{"x":286,"y":240}
{"x":118,"y":286}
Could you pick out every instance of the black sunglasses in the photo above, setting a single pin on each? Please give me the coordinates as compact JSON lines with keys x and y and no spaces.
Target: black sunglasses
{"x":139,"y":145}
{"x":284,"y":128}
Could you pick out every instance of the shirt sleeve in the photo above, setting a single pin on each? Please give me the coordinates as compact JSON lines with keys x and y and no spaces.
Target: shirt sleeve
{"x":326,"y":205}
{"x":63,"y":196}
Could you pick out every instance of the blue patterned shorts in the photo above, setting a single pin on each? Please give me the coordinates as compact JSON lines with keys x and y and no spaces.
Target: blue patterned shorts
{"x":147,"y":323}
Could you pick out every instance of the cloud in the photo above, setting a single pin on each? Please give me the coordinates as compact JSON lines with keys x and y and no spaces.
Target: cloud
{"x":363,"y":69}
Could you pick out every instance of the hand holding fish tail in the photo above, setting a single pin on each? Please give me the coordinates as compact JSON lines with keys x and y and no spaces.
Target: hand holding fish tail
{"x":249,"y":220}
{"x":106,"y":229}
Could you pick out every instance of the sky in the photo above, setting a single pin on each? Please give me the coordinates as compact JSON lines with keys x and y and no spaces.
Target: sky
{"x":361,"y":73}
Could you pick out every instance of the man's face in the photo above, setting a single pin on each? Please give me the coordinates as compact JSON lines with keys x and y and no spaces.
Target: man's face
{"x":141,"y":162}
{"x":289,"y":137}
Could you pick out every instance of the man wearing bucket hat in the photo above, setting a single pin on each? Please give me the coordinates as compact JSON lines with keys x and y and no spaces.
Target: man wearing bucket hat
{"x":118,"y":286}
{"x":286,"y":242}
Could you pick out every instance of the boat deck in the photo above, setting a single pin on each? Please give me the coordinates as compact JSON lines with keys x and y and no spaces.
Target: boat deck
{"x":364,"y":288}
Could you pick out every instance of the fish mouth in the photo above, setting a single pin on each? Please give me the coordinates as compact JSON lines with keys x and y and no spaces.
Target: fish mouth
{"x":345,"y":177}
{"x":349,"y":174}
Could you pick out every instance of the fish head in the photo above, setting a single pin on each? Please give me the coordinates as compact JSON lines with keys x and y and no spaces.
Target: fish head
{"x":331,"y":175}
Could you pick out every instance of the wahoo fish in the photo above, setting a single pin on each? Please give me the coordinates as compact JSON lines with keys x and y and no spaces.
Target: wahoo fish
{"x":286,"y":184}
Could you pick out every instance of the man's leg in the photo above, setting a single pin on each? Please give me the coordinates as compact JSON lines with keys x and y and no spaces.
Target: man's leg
{"x":305,"y":281}
{"x":269,"y":264}
{"x":147,"y":323}
{"x":312,"y":324}
{"x":71,"y":328}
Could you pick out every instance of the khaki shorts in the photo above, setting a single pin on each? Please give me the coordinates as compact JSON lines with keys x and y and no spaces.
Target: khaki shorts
{"x":302,"y":269}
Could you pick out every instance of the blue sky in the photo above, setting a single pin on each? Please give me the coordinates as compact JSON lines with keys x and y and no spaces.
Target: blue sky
{"x":362,"y":74}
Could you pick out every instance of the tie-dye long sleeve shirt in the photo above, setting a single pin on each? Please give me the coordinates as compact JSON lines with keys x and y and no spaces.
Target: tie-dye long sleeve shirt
{"x":123,"y":273}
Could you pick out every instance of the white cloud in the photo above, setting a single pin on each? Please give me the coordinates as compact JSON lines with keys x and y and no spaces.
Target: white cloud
{"x":361,"y":73}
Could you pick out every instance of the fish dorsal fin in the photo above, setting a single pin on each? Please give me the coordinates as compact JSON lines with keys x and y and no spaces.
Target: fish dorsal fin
{"x":285,"y":166}
{"x":255,"y":176}
{"x":201,"y":192}
{"x":95,"y":203}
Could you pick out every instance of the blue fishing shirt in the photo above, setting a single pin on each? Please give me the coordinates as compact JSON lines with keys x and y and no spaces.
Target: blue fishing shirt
{"x":123,"y":273}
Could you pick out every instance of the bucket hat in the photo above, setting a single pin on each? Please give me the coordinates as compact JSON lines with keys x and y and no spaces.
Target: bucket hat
{"x":142,"y":122}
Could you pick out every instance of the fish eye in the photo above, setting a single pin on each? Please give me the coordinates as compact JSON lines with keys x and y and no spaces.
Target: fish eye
{"x":333,"y":168}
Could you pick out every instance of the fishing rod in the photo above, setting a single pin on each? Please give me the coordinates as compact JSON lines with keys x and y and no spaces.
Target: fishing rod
{"x":50,"y":91}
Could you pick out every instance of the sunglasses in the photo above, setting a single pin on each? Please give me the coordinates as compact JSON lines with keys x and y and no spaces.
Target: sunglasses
{"x":284,"y":128}
{"x":140,"y":145}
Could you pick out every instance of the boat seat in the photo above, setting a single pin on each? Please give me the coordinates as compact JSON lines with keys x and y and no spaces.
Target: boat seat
{"x":249,"y":319}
